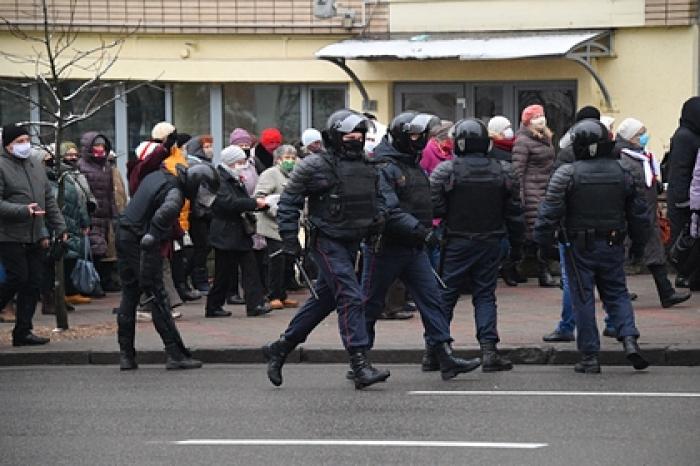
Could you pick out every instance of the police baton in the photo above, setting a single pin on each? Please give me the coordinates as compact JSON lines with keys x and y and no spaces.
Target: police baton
{"x":302,"y":271}
{"x":570,"y":258}
{"x":438,"y":278}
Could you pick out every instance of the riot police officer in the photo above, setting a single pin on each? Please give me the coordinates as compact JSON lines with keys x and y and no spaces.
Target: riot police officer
{"x":478,"y":198}
{"x":341,"y":187}
{"x":145,"y":224}
{"x":404,"y":194}
{"x":593,"y":203}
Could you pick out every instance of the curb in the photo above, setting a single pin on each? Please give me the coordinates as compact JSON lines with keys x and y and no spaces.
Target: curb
{"x":546,"y":355}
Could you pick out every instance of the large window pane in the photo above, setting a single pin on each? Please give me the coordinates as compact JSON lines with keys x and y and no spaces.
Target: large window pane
{"x":559,"y":107}
{"x":440,"y":103}
{"x":82,"y":104}
{"x":488,"y":102}
{"x":256,"y":107}
{"x":191,"y":112}
{"x":13,"y":107}
{"x":325,"y":101}
{"x":145,"y":108}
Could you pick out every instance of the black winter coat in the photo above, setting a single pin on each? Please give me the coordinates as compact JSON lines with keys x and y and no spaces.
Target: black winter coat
{"x":232,"y":200}
{"x":685,"y":144}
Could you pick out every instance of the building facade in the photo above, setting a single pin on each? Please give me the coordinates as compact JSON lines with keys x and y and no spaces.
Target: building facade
{"x":213,"y":65}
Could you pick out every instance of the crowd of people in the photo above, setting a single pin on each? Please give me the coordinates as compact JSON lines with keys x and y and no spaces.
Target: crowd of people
{"x":430,"y":207}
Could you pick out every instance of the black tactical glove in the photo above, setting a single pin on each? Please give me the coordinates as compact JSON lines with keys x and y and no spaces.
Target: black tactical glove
{"x":148,"y":242}
{"x":291,"y":246}
{"x":377,"y":226}
{"x":170,"y":140}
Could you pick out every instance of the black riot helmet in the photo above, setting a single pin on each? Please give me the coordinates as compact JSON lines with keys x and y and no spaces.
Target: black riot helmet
{"x":409,"y":132}
{"x":200,"y":182}
{"x":339,"y":124}
{"x":590,"y":139}
{"x":471,"y":137}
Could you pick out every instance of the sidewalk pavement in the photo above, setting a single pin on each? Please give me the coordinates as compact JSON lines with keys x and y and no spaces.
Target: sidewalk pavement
{"x":526,"y":313}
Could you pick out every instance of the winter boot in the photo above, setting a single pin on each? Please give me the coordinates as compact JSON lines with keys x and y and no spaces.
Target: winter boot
{"x":48,"y":302}
{"x":544,"y":277}
{"x":275,"y":354}
{"x":450,"y":365}
{"x":365,"y":374}
{"x":179,"y":358}
{"x":491,"y":361}
{"x":508,"y":273}
{"x":430,"y":361}
{"x":632,"y":352}
{"x":588,"y":364}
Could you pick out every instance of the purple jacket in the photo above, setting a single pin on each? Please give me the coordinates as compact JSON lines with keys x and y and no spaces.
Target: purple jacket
{"x":695,"y":185}
{"x":433,"y":156}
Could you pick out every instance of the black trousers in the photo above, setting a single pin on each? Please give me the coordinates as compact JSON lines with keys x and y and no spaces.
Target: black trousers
{"x":199,"y":233}
{"x":24,"y":270}
{"x":129,"y":252}
{"x":276,"y":270}
{"x":224,"y":263}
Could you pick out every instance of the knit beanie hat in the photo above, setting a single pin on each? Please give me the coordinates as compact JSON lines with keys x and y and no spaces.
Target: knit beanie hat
{"x":231,"y":155}
{"x":66,"y":146}
{"x":270,"y":137}
{"x":588,"y":111}
{"x":531,"y":112}
{"x":12,"y":132}
{"x":309,"y":136}
{"x":629,"y":127}
{"x":161,"y":130}
{"x":240,"y":136}
{"x":498,"y":124}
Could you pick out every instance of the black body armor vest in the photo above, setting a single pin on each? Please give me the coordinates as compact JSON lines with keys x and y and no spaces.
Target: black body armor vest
{"x":597,"y":199}
{"x":476,"y":203}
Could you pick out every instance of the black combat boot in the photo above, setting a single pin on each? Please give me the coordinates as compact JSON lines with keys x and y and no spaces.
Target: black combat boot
{"x":588,"y":364}
{"x":180,"y":358}
{"x":275,"y":354}
{"x":365,"y":374}
{"x":450,"y":365}
{"x":430,"y":361}
{"x":491,"y":361}
{"x":508,"y":274}
{"x":127,"y":359}
{"x":633,"y":354}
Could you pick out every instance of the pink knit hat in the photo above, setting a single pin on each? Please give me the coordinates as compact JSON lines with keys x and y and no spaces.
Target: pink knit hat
{"x":240,"y":136}
{"x":530,"y":112}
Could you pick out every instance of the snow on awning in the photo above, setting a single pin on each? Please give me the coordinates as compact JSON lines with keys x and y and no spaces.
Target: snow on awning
{"x":473,"y":47}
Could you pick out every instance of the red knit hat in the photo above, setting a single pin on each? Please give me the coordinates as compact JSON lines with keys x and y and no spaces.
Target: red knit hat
{"x":530,"y":112}
{"x":270,"y":137}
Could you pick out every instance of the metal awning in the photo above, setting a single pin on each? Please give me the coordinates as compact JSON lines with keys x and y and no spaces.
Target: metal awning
{"x":579,"y":46}
{"x":474,"y":47}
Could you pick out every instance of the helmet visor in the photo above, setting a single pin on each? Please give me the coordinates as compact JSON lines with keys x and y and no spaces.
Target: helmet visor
{"x":352,"y":123}
{"x":422,"y":123}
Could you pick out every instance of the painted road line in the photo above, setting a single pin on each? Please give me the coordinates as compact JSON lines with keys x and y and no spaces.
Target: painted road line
{"x":552,"y":393}
{"x":352,"y":443}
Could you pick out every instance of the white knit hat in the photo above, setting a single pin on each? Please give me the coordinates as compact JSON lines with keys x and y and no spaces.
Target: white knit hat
{"x":498,"y":124}
{"x":161,"y":130}
{"x":629,"y":127}
{"x":231,"y":155}
{"x":310,"y":136}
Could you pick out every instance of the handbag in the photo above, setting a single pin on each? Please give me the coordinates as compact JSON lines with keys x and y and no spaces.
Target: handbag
{"x":84,"y":275}
{"x":249,"y":223}
{"x":685,"y":252}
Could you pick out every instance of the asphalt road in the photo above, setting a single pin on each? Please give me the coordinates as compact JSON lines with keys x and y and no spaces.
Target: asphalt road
{"x":95,"y":415}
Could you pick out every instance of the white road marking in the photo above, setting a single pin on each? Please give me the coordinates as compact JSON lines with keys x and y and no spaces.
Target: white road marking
{"x":371,"y":443}
{"x":551,"y":393}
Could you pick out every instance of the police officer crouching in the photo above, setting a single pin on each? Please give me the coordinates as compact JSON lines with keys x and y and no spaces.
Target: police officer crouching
{"x":478,"y":199}
{"x":148,"y":221}
{"x":404,"y":194}
{"x":593,"y":202}
{"x":341,"y":187}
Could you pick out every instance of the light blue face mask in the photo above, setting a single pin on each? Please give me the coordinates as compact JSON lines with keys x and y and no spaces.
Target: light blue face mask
{"x":644,"y":139}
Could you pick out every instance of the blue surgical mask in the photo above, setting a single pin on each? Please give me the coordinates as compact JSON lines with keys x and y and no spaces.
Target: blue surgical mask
{"x":644,"y":139}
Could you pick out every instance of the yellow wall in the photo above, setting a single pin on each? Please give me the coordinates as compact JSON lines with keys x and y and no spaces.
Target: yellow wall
{"x":507,"y":15}
{"x":654,"y":71}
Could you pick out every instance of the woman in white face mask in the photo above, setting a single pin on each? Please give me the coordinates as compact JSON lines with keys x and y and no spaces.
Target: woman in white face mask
{"x":533,"y":161}
{"x":502,"y":137}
